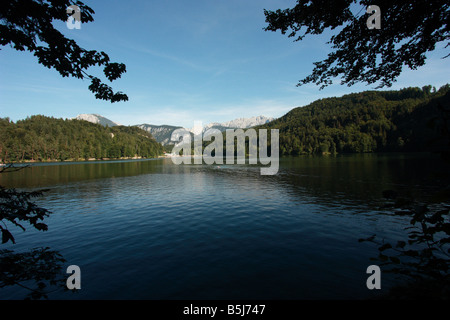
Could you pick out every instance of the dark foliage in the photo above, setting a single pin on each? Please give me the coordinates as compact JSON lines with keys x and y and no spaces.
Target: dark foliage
{"x":409,"y":30}
{"x":424,"y":257}
{"x":41,"y":138}
{"x":28,"y":25}
{"x":410,"y":119}
{"x":36,"y":271}
{"x":16,"y":207}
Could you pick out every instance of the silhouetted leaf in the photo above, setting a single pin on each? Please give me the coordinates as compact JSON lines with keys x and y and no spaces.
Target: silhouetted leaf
{"x":446,"y":228}
{"x":6,"y":236}
{"x":402,"y":202}
{"x":403,"y":213}
{"x":367,"y":239}
{"x":395,"y":259}
{"x":401,"y":244}
{"x":383,"y":257}
{"x":389,"y":194}
{"x":385,"y":247}
{"x":41,"y":226}
{"x":411,"y":253}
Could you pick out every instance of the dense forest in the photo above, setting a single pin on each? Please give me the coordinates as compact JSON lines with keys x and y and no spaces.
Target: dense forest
{"x":411,"y":119}
{"x":40,"y":138}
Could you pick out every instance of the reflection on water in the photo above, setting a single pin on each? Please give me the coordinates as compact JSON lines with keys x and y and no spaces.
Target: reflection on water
{"x":48,"y":174}
{"x":154,"y":230}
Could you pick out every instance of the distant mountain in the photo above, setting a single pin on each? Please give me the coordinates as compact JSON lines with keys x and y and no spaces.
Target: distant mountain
{"x":245,"y":123}
{"x":96,"y":118}
{"x":161,"y":133}
{"x":240,"y":123}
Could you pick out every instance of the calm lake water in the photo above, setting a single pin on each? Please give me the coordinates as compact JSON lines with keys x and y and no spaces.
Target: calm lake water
{"x":154,"y":230}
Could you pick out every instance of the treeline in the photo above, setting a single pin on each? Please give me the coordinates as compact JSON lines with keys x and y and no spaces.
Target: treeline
{"x":411,"y":119}
{"x":40,"y":138}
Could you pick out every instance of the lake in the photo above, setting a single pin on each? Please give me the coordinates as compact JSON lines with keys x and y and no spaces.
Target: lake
{"x":149,"y":229}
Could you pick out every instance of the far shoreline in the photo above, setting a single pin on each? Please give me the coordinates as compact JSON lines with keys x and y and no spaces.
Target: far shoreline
{"x":168,"y":156}
{"x":90,"y":160}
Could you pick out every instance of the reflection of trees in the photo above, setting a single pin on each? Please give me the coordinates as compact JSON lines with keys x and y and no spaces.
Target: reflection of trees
{"x":61,"y":173}
{"x":421,"y":259}
{"x":424,"y":257}
{"x":38,"y":269}
{"x":361,"y":178}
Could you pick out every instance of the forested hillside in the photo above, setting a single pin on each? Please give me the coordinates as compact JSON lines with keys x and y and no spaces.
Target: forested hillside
{"x":40,"y":138}
{"x":410,"y":119}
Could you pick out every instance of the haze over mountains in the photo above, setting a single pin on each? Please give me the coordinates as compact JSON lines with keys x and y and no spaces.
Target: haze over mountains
{"x":162,"y":133}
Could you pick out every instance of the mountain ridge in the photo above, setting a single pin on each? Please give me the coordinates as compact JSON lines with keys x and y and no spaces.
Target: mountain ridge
{"x":162,"y":133}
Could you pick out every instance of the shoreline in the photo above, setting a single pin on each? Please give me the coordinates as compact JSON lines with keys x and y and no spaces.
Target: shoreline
{"x":79,"y":160}
{"x":167,"y":156}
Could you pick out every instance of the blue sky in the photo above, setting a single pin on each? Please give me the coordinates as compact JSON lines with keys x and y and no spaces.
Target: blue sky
{"x":187,"y":61}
